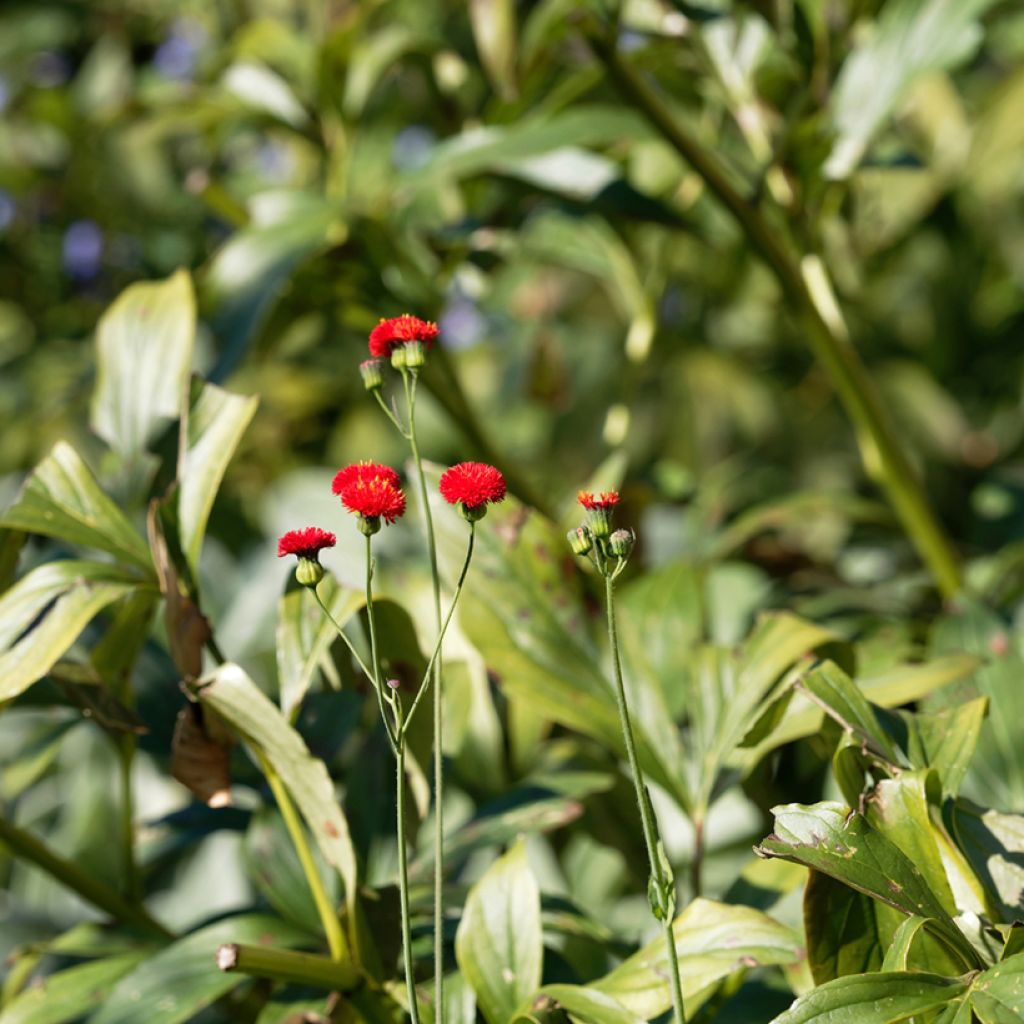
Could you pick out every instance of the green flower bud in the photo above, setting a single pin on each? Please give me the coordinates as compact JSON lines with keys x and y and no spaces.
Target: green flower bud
{"x":415,"y":354}
{"x":580,"y":540}
{"x":309,"y":572}
{"x":473,"y":514}
{"x":372,"y":372}
{"x":368,"y":525}
{"x":398,"y":357}
{"x":621,"y":542}
{"x":599,"y":520}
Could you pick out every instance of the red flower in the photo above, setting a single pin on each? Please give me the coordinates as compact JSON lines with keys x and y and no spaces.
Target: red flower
{"x":606,"y":500}
{"x":306,"y":543}
{"x":397,"y":331}
{"x":363,"y":471}
{"x":373,"y":498}
{"x":472,"y":484}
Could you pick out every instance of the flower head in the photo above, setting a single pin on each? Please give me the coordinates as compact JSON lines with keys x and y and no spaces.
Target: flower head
{"x":374,"y":498}
{"x":399,"y":330}
{"x":472,"y":484}
{"x":372,"y":372}
{"x":605,"y":500}
{"x":307,"y":543}
{"x":363,"y":471}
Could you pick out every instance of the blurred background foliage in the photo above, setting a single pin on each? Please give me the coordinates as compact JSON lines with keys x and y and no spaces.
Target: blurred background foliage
{"x":320,"y":164}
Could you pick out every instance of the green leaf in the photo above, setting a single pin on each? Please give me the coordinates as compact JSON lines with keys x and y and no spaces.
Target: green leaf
{"x":945,"y":740}
{"x":997,"y":994}
{"x":873,"y":999}
{"x":494,"y":31}
{"x":216,"y":423}
{"x":305,"y":635}
{"x":237,"y":699}
{"x":589,"y":1005}
{"x":67,"y":995}
{"x":909,"y":39}
{"x":993,"y":844}
{"x":499,"y":944}
{"x":713,"y":940}
{"x":42,"y":615}
{"x":899,"y":949}
{"x":144,"y":353}
{"x":62,"y":499}
{"x":182,"y":979}
{"x":836,"y":841}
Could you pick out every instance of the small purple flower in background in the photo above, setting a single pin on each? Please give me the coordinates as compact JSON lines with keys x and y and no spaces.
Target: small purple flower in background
{"x":275,"y":161}
{"x":50,"y":69}
{"x":82,"y":250}
{"x":177,"y":56}
{"x":7,"y":209}
{"x":412,"y":147}
{"x":462,"y":324}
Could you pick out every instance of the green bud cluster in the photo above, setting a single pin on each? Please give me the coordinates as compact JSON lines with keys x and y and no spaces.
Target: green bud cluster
{"x":608,"y":549}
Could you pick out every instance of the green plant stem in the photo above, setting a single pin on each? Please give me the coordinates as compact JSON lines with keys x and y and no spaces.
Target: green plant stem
{"x":428,"y":673}
{"x":438,"y":706}
{"x":132,"y":878}
{"x":805,"y":284}
{"x":27,"y":846}
{"x":328,"y":914}
{"x":395,"y":735}
{"x":643,"y":803}
{"x":390,"y":415}
{"x":286,"y":965}
{"x":344,"y":636}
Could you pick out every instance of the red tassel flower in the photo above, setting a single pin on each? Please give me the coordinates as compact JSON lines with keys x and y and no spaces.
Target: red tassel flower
{"x":399,"y":330}
{"x":472,"y":486}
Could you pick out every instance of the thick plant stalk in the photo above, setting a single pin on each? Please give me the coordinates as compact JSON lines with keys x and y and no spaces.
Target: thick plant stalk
{"x":437,"y":703}
{"x":805,"y":284}
{"x":98,"y":893}
{"x":661,"y":887}
{"x":328,"y":914}
{"x":286,"y":965}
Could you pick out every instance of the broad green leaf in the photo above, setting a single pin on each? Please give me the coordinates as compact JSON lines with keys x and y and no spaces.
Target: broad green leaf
{"x":62,"y":499}
{"x":42,"y":615}
{"x":589,"y":1005}
{"x":989,"y":1010}
{"x":67,"y":995}
{"x":899,"y":949}
{"x":945,"y":740}
{"x":909,"y":38}
{"x":237,"y":699}
{"x":873,"y":999}
{"x":997,"y":994}
{"x":836,"y":841}
{"x":494,"y":31}
{"x":713,"y":940}
{"x":305,"y":635}
{"x":216,"y":423}
{"x":499,"y":945}
{"x":144,"y":353}
{"x":993,"y":844}
{"x":182,"y":979}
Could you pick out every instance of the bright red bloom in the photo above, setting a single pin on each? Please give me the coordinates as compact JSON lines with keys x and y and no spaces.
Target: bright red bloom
{"x":307,"y":543}
{"x":606,"y":499}
{"x":397,"y":331}
{"x":363,"y":471}
{"x":374,"y":497}
{"x":472,"y":484}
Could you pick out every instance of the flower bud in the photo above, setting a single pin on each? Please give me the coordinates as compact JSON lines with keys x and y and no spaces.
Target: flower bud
{"x":473,"y":513}
{"x":309,"y":572}
{"x":372,"y":372}
{"x":394,"y":684}
{"x":415,"y":354}
{"x":580,"y":540}
{"x":368,"y":525}
{"x":621,"y":542}
{"x":599,"y":521}
{"x":398,"y":357}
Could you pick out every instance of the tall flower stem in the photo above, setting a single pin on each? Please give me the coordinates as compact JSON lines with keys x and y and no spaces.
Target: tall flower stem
{"x":132,"y":877}
{"x":328,"y":914}
{"x":397,"y":740}
{"x":409,"y":381}
{"x":661,"y":888}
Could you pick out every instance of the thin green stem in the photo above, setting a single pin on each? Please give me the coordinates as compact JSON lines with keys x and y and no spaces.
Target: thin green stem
{"x":328,"y":913}
{"x":371,"y":618}
{"x":132,"y":878}
{"x":804,"y":282}
{"x":390,"y":415}
{"x":286,"y":965}
{"x":425,"y":683}
{"x":397,"y":738}
{"x":98,"y":893}
{"x":438,"y":706}
{"x":344,"y":636}
{"x":654,"y":858}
